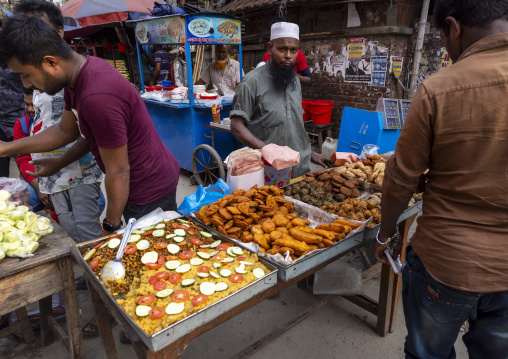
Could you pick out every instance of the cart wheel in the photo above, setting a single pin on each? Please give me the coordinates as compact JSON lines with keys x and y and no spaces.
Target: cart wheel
{"x":207,"y":166}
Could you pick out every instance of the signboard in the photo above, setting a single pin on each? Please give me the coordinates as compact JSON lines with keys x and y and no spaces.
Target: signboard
{"x":213,"y":30}
{"x":396,"y":65}
{"x":166,"y":30}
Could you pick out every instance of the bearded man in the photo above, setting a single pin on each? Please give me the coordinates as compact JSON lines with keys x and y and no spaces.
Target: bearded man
{"x":224,"y":71}
{"x":267,"y":107}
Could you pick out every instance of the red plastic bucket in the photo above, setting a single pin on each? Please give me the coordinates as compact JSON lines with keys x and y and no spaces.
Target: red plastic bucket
{"x":305,"y":106}
{"x":321,"y":112}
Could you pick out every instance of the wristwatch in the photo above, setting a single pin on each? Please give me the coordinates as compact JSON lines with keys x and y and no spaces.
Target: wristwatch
{"x":392,"y":240}
{"x":108,"y":227}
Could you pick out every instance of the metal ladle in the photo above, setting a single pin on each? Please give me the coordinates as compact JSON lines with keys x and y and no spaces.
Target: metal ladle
{"x":115,"y":270}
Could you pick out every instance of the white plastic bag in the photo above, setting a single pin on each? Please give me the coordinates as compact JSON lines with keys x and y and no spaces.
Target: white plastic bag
{"x":18,"y":188}
{"x":370,"y":150}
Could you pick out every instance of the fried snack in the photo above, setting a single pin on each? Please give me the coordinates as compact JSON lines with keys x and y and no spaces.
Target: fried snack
{"x":273,"y":251}
{"x":256,"y":230}
{"x":283,"y":250}
{"x":260,"y":239}
{"x":320,"y":232}
{"x":282,"y":229}
{"x":275,"y":235}
{"x":328,"y":243}
{"x":224,"y":213}
{"x":334,"y":227}
{"x":268,"y":226}
{"x":287,"y":241}
{"x":228,"y":225}
{"x":298,"y":222}
{"x":306,"y":237}
{"x":233,"y":210}
{"x":348,"y":223}
{"x":280,"y":220}
{"x":313,"y":246}
{"x":270,"y":201}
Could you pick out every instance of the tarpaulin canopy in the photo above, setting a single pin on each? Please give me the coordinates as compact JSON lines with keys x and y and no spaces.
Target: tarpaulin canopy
{"x":96,"y":12}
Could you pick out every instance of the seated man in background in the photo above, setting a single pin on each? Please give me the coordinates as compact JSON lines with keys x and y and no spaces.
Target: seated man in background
{"x":224,"y":71}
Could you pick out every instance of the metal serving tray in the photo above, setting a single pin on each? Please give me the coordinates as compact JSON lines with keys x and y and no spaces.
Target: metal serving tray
{"x":312,"y":260}
{"x":168,"y":335}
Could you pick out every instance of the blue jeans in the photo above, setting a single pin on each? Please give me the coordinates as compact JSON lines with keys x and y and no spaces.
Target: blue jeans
{"x":435,"y":313}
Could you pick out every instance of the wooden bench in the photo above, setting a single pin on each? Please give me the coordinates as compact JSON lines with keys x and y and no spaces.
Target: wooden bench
{"x":318,"y":133}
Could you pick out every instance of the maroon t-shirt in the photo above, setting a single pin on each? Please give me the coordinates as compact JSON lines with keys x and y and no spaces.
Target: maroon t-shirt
{"x":110,"y":114}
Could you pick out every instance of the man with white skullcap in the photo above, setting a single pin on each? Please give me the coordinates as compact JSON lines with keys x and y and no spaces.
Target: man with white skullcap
{"x":267,"y":107}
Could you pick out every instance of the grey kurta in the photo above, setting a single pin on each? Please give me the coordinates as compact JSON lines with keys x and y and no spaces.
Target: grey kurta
{"x":273,"y":114}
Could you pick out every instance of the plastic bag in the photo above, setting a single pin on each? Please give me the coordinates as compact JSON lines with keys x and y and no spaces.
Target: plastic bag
{"x":203,"y":196}
{"x":217,"y":101}
{"x":226,"y":91}
{"x":18,"y":189}
{"x":370,"y":150}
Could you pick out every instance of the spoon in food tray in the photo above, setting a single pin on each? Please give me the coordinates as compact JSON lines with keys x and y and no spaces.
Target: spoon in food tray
{"x":114,"y":270}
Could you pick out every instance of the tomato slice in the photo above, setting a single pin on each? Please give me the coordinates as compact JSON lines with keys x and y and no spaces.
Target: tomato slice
{"x":147,"y":233}
{"x":153,"y":265}
{"x":179,"y":226}
{"x":146,"y":299}
{"x":161,"y":260}
{"x":99,"y":245}
{"x":236,"y":278}
{"x":130,"y":249}
{"x":156,"y":313}
{"x":196,"y":242}
{"x":159,"y":285}
{"x":199,"y":299}
{"x":153,"y":279}
{"x":240,"y":259}
{"x":160,"y":245}
{"x":222,"y":247}
{"x":162,"y":275}
{"x":182,"y":244}
{"x":175,"y":278}
{"x":218,"y":258}
{"x":191,"y":232}
{"x":171,"y":258}
{"x":116,"y":236}
{"x":179,"y":296}
{"x":203,"y":269}
{"x":186,"y":255}
{"x":195,"y":227}
{"x":94,"y":263}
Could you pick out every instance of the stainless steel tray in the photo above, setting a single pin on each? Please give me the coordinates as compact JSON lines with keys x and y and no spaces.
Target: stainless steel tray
{"x":286,"y":273}
{"x":168,"y":335}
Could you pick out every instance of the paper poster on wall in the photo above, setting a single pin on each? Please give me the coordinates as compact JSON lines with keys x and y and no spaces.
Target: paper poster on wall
{"x":353,"y":18}
{"x":335,"y":64}
{"x":359,"y":67}
{"x":378,"y":79}
{"x":169,"y":30}
{"x":379,"y":66}
{"x":396,"y":65}
{"x":445,"y":59}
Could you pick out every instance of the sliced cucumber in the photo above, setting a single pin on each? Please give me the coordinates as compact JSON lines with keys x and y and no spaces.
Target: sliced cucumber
{"x":206,"y":234}
{"x":237,"y":251}
{"x":183,"y":268}
{"x":158,"y":233}
{"x":183,"y":221}
{"x":207,"y":288}
{"x":133,"y":238}
{"x":240,"y":269}
{"x":178,"y":239}
{"x":230,"y":252}
{"x":89,"y":254}
{"x":215,"y":275}
{"x":203,"y":275}
{"x":164,"y":293}
{"x":180,"y":232}
{"x":246,"y":263}
{"x":175,"y":308}
{"x":160,"y":226}
{"x":105,"y":244}
{"x":137,"y":231}
{"x":170,"y":235}
{"x":221,"y":286}
{"x":142,"y":310}
{"x":187,"y":282}
{"x":150,"y":257}
{"x":204,"y":246}
{"x":196,"y":261}
{"x":143,"y":244}
{"x":173,"y":248}
{"x":214,"y":253}
{"x":258,"y":273}
{"x":114,"y":242}
{"x":228,"y":260}
{"x":203,"y":255}
{"x":144,"y":229}
{"x":217,"y":265}
{"x":225,"y":273}
{"x":215,"y":244}
{"x":173,"y":264}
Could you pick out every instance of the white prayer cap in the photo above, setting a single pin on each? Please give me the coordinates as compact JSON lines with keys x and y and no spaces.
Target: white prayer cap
{"x":284,"y":29}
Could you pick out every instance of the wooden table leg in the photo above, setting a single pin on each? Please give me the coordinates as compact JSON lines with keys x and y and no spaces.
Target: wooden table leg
{"x":27,"y":331}
{"x":385,"y":299}
{"x":101,"y":315}
{"x":71,"y":307}
{"x":173,"y":352}
{"x":46,"y":307}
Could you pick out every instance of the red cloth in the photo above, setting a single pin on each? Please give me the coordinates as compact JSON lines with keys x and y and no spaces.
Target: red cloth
{"x":300,"y":64}
{"x":23,"y":161}
{"x":111,"y":114}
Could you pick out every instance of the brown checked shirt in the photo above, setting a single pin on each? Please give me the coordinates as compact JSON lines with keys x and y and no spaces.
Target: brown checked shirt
{"x":457,"y":127}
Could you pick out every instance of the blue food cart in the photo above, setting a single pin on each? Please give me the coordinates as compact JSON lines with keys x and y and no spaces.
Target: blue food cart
{"x":185,"y":127}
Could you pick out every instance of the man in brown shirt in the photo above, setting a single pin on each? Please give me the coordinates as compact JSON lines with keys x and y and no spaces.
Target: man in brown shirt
{"x":457,"y":127}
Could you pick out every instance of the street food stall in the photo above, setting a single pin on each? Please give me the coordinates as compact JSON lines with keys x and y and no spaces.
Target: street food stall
{"x":181,"y":122}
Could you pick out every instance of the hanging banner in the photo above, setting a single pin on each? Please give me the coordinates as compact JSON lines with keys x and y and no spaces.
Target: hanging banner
{"x":445,"y":59}
{"x":396,"y":65}
{"x":213,"y":30}
{"x":166,"y":30}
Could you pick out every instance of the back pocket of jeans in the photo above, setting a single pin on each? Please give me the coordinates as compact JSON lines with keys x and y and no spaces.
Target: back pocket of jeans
{"x":444,"y":303}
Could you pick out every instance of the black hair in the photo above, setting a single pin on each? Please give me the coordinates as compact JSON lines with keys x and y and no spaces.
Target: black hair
{"x":29,"y":39}
{"x":28,"y":90}
{"x":39,"y":8}
{"x":469,"y":12}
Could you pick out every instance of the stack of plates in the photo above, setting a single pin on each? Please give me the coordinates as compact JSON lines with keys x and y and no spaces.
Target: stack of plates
{"x":121,"y":66}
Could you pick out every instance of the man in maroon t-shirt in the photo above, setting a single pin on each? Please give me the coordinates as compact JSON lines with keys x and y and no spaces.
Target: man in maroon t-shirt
{"x":141,"y":173}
